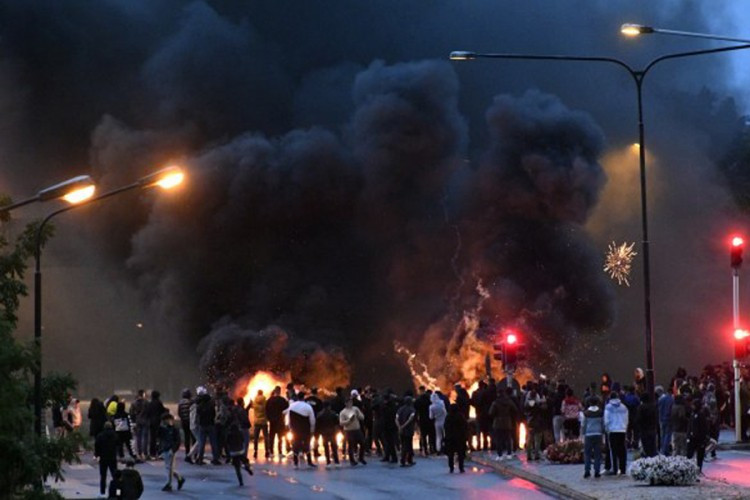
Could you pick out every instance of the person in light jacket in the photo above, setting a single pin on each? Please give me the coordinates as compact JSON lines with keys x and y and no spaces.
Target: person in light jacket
{"x":351,"y":419}
{"x":438,"y":413}
{"x":616,"y":426}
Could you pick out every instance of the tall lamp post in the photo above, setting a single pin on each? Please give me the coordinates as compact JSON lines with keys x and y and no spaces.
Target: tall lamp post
{"x":166,"y":178}
{"x":638,"y":76}
{"x":73,"y":191}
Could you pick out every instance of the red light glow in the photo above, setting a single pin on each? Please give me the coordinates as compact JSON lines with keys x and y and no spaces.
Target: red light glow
{"x":511,"y":338}
{"x":740,"y":334}
{"x":737,"y":241}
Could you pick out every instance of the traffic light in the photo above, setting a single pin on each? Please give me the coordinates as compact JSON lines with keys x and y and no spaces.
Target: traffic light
{"x":736,"y":252}
{"x":510,"y":350}
{"x":741,"y":343}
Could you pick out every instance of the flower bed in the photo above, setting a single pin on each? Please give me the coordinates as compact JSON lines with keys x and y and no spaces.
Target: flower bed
{"x":672,"y":471}
{"x":569,"y":452}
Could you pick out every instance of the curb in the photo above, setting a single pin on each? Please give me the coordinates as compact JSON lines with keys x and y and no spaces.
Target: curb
{"x":541,"y":481}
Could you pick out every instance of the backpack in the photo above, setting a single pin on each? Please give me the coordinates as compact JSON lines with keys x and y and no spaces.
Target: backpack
{"x":121,"y":424}
{"x":570,"y":411}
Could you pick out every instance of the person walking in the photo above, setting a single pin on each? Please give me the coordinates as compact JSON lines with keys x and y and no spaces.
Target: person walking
{"x":406,"y":417}
{"x":183,"y":411}
{"x":456,"y":436}
{"x":139,"y":418}
{"x":105,"y":449}
{"x":437,"y":414}
{"x":664,"y":407}
{"x":123,"y":429}
{"x":169,"y":444}
{"x":679,"y":420}
{"x":592,"y":429}
{"x":698,"y":430}
{"x":274,"y":410}
{"x":302,"y":425}
{"x":260,"y":421}
{"x":616,"y":426}
{"x":242,"y":419}
{"x":236,"y":443}
{"x":351,"y":419}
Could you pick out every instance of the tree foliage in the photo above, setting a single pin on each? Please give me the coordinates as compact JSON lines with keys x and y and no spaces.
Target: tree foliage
{"x":26,"y":460}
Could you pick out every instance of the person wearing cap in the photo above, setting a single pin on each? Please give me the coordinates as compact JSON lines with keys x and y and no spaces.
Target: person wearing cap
{"x":169,"y":444}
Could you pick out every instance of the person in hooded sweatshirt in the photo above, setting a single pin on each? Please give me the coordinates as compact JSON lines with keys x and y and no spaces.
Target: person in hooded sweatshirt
{"x":456,"y":436}
{"x":647,"y":418}
{"x":592,"y":429}
{"x":437,"y":413}
{"x":534,"y":408}
{"x":302,"y":425}
{"x":616,"y":425}
{"x":698,"y":432}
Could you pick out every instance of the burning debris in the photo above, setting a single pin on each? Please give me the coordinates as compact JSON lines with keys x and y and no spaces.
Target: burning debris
{"x":618,"y":262}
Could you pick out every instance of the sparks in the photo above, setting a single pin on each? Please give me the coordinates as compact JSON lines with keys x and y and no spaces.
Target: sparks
{"x":618,"y":262}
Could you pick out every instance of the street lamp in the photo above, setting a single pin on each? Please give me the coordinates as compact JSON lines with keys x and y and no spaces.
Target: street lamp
{"x":74,"y":190}
{"x":638,"y":76}
{"x":634,"y":30}
{"x":166,"y":178}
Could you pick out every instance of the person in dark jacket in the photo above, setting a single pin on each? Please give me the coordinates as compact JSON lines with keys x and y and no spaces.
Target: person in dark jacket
{"x":632,"y":402}
{"x":698,"y":430}
{"x":105,"y":449}
{"x":242,"y":418}
{"x":141,"y":424}
{"x":680,"y":418}
{"x":592,"y":431}
{"x":237,"y":449}
{"x":647,"y":420}
{"x":275,"y":407}
{"x":154,"y":410}
{"x":485,"y":419}
{"x":97,"y":416}
{"x":503,"y":412}
{"x":127,"y":484}
{"x":183,"y":412}
{"x":169,"y":444}
{"x":456,"y":434}
{"x":390,"y":428}
{"x":463,"y":400}
{"x":406,"y":418}
{"x":426,"y":427}
{"x":327,"y":426}
{"x":206,"y":429}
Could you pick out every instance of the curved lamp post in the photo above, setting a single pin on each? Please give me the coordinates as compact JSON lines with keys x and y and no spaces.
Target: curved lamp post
{"x":166,"y":179}
{"x":638,"y":76}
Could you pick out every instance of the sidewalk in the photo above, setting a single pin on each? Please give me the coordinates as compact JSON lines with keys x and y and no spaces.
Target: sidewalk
{"x":567,"y":482}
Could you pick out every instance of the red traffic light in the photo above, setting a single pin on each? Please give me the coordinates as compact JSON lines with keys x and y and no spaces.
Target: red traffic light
{"x":735,"y":253}
{"x":737,"y":241}
{"x":740,"y":334}
{"x":511,"y":338}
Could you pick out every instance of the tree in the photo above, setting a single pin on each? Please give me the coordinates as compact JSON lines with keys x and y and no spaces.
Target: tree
{"x":26,"y":460}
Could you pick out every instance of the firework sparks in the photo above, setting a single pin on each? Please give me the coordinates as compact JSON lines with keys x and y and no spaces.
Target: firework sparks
{"x":418,"y":369}
{"x":618,"y":262}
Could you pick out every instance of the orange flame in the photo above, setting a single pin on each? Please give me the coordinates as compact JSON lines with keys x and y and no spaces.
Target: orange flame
{"x":263,"y":381}
{"x":522,"y":436}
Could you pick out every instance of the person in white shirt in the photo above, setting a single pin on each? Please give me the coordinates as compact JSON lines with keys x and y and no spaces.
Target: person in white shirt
{"x":350,"y":419}
{"x":301,"y":420}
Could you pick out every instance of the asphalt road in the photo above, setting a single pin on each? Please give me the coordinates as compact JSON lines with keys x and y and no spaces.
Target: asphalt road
{"x":429,"y":479}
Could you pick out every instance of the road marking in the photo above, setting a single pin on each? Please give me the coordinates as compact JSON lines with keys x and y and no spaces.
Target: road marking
{"x":80,"y":467}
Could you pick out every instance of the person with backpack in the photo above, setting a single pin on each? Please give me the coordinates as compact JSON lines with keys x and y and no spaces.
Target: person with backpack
{"x":169,"y":444}
{"x":123,"y":429}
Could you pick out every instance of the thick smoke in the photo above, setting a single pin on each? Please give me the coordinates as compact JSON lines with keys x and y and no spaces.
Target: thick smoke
{"x":335,"y":204}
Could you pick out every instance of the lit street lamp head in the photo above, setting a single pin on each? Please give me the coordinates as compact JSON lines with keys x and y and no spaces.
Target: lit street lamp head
{"x":462,"y":55}
{"x":73,"y":190}
{"x":630,"y":29}
{"x":166,"y":178}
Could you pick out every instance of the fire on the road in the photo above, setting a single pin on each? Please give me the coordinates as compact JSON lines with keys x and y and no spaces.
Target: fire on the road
{"x":264,"y":381}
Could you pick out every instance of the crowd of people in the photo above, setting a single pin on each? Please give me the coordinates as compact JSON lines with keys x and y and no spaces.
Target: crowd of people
{"x":608,"y":417}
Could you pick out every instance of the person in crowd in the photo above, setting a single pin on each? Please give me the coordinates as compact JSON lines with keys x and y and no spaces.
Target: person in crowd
{"x":711,"y":403}
{"x":616,"y":426}
{"x":639,"y":381}
{"x":456,"y":437}
{"x":679,"y":420}
{"x":317,"y":404}
{"x":192,"y":454}
{"x":241,"y":418}
{"x":406,"y":418}
{"x":476,"y":402}
{"x":123,"y":430}
{"x":221,"y":422}
{"x":664,"y":406}
{"x":169,"y":444}
{"x":111,"y":405}
{"x":206,"y":423}
{"x":503,"y":413}
{"x":558,"y":419}
{"x":302,"y":425}
{"x":183,"y":412}
{"x":534,"y":408}
{"x":647,"y":420}
{"x":485,"y":424}
{"x":139,"y":419}
{"x":351,"y":419}
{"x":127,"y":484}
{"x":97,"y":415}
{"x":260,"y":421}
{"x":291,"y":393}
{"x":426,"y":426}
{"x":327,"y":426}
{"x":437,"y":414}
{"x":605,"y":387}
{"x":463,"y":400}
{"x":154,"y":411}
{"x":377,"y":406}
{"x":592,"y":429}
{"x":237,"y":442}
{"x":698,"y":430}
{"x":390,"y":427}
{"x":632,"y":402}
{"x":570,"y":410}
{"x":275,"y":408}
{"x":72,"y":415}
{"x":105,"y":449}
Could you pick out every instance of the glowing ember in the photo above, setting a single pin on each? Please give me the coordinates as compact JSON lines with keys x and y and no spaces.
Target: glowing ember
{"x":618,"y":262}
{"x":264,"y":381}
{"x":289,"y":436}
{"x":340,"y":439}
{"x":472,"y":410}
{"x":522,"y":436}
